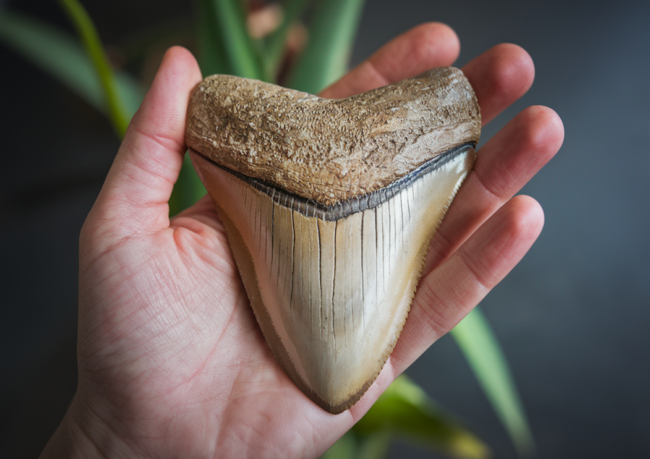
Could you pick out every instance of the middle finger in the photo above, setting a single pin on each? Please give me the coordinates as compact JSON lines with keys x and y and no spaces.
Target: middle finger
{"x":503,"y":166}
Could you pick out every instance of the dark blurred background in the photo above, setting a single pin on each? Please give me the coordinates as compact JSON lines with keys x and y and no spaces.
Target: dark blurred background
{"x":572,"y":317}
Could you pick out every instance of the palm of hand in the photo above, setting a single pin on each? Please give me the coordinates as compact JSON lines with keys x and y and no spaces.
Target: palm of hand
{"x":171,"y":359}
{"x":179,"y":343}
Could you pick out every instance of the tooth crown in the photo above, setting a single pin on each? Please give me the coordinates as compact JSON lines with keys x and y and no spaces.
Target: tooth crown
{"x":331,"y":297}
{"x":331,"y":150}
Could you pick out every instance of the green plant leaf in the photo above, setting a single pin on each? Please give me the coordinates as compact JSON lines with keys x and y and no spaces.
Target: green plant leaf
{"x":131,"y":93}
{"x":477,"y":341}
{"x":187,"y":190}
{"x":374,"y":446}
{"x":406,"y":411}
{"x":276,"y":42}
{"x":117,"y":111}
{"x":352,"y":446}
{"x":345,"y":448}
{"x":60,"y":55}
{"x":331,"y":34}
{"x":213,"y":57}
{"x":228,"y":17}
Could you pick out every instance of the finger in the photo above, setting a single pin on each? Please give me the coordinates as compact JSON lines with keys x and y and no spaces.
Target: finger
{"x":499,"y":77}
{"x":420,"y":49}
{"x":136,"y":192}
{"x":503,"y":166}
{"x":451,"y":291}
{"x":203,"y":207}
{"x":204,"y":212}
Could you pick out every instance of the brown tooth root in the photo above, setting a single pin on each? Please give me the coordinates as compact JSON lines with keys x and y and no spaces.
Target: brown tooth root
{"x":331,"y":150}
{"x":331,"y":280}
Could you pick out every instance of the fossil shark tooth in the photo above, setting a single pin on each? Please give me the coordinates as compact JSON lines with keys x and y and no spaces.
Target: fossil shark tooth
{"x":329,"y":207}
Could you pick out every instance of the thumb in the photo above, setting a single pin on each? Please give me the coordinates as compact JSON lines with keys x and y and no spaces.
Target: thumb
{"x":137,"y":189}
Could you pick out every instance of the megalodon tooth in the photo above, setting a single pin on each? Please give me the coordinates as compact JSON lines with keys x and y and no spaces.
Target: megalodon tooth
{"x":329,"y":206}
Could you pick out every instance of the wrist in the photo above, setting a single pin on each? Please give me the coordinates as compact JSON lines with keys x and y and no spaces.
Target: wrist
{"x":70,"y":441}
{"x":82,"y":434}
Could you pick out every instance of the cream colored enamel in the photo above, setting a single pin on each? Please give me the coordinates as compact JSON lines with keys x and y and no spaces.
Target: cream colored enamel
{"x":337,"y":293}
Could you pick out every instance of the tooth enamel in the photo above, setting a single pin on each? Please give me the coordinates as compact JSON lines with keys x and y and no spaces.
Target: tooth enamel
{"x":331,"y":265}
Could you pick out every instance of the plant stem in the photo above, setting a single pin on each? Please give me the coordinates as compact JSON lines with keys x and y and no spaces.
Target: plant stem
{"x":331,"y":35}
{"x":277,"y":41}
{"x":244,"y":59}
{"x":90,"y":39}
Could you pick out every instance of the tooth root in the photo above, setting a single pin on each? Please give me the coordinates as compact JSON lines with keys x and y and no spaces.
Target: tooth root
{"x":331,"y":297}
{"x":329,"y":150}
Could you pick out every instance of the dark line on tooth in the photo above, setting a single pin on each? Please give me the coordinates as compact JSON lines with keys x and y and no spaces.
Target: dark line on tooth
{"x":345,"y":208}
{"x":348,"y":293}
{"x":384,"y":238}
{"x":401,"y":210}
{"x":272,"y":227}
{"x":258,"y":219}
{"x":258,"y":225}
{"x":293,"y":261}
{"x":408,"y":200}
{"x":363,"y":293}
{"x":309,"y":282}
{"x":336,"y":224}
{"x":376,"y":256}
{"x":390,"y":238}
{"x":279,"y":262}
{"x":320,"y":281}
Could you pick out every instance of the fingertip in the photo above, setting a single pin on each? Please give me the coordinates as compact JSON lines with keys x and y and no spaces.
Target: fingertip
{"x":542,"y":129}
{"x":551,"y":127}
{"x":499,"y":77}
{"x":178,"y":73}
{"x":526,"y":217}
{"x":436,"y":44}
{"x":181,"y":51}
{"x":183,"y":61}
{"x":515,"y":65}
{"x":426,"y":46}
{"x":162,"y":113}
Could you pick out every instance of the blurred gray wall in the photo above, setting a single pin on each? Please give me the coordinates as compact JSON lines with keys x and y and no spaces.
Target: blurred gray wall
{"x":572,"y":317}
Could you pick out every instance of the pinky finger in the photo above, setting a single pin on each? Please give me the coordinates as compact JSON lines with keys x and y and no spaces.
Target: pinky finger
{"x":449,"y":292}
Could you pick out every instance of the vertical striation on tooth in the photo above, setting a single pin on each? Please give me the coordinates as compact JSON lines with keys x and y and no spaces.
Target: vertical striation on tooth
{"x":329,"y":207}
{"x":332,"y":296}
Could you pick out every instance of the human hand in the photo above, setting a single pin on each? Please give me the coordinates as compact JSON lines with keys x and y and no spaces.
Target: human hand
{"x":171,"y":360}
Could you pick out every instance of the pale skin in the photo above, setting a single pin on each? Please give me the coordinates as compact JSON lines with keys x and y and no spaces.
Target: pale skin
{"x":171,"y":360}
